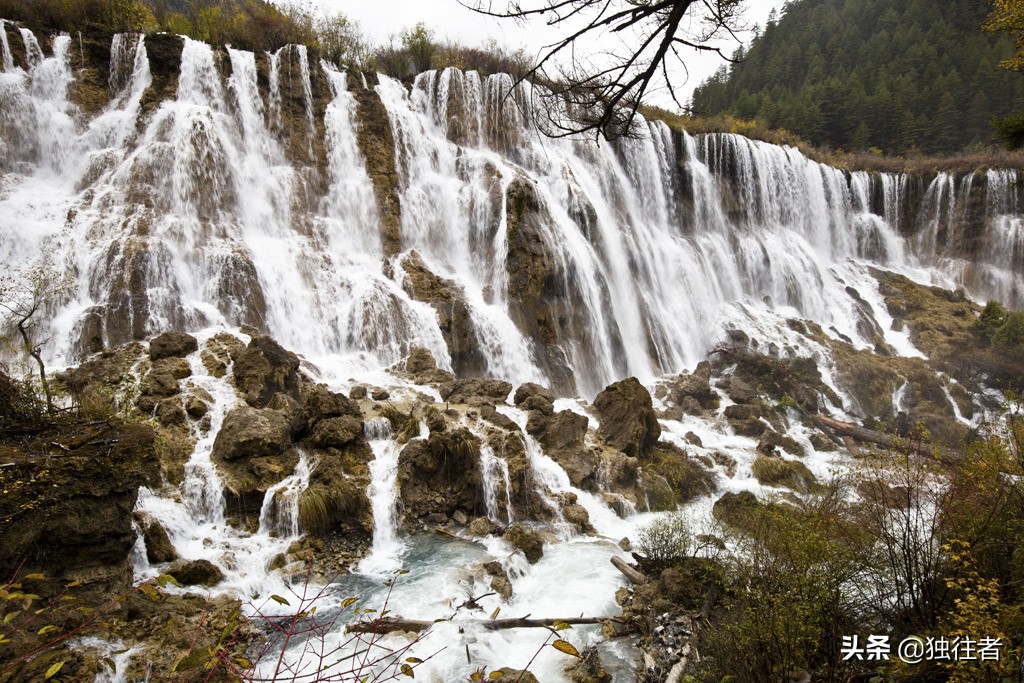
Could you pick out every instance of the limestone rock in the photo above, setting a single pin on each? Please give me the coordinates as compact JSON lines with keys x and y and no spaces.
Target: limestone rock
{"x":589,"y":668}
{"x":248,"y":432}
{"x":693,"y":391}
{"x":219,"y":352}
{"x":320,"y":403}
{"x":264,"y":369}
{"x":627,"y":417}
{"x":490,"y":413}
{"x":792,"y":474}
{"x":197,"y":573}
{"x":476,"y":391}
{"x":159,"y":548}
{"x":454,"y":315}
{"x":441,"y":474}
{"x":482,"y":526}
{"x":527,"y":540}
{"x":172,"y":345}
{"x":528,"y":390}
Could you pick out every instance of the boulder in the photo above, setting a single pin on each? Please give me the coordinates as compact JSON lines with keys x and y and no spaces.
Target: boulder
{"x":564,"y":440}
{"x":791,"y":474}
{"x":172,"y":345}
{"x":578,"y":516}
{"x":627,"y":417}
{"x":219,"y":352}
{"x":454,"y":316}
{"x":420,"y":361}
{"x":742,"y":411}
{"x":482,"y":526}
{"x":320,"y":403}
{"x":159,"y":548}
{"x":337,"y":432}
{"x":772,"y":440}
{"x":441,"y":474}
{"x":248,"y":432}
{"x":528,"y":390}
{"x":476,"y":391}
{"x":692,"y":391}
{"x":527,"y":540}
{"x":735,"y":509}
{"x":196,"y":573}
{"x":264,"y":369}
{"x":170,"y":412}
{"x":588,"y":668}
{"x":491,"y":414}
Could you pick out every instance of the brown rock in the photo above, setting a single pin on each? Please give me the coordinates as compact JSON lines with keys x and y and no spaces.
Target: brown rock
{"x":476,"y":391}
{"x":627,"y":417}
{"x":527,"y":540}
{"x":248,"y":432}
{"x":172,"y":344}
{"x":197,"y":573}
{"x":265,"y":368}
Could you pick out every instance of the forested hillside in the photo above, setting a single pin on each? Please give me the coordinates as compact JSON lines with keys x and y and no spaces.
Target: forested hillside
{"x":897,"y":75}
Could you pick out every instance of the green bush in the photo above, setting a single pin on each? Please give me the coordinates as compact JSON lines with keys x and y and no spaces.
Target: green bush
{"x":667,"y":539}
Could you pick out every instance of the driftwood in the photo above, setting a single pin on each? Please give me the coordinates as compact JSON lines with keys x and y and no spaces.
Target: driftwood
{"x":392,"y":624}
{"x":853,"y":431}
{"x":631,"y":573}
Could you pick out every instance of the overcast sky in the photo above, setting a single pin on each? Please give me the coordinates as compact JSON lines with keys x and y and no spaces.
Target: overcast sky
{"x":380,"y":19}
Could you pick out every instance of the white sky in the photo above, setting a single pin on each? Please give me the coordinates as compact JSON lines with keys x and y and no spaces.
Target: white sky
{"x":380,"y":19}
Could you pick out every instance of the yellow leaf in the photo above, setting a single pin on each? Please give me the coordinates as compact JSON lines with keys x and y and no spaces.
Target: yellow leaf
{"x":243,"y":663}
{"x":279,"y":600}
{"x":46,"y":629}
{"x":495,"y":613}
{"x":193,"y":660}
{"x":149,"y":591}
{"x":10,"y":617}
{"x":34,"y":577}
{"x":560,"y":625}
{"x":414,"y":660}
{"x":407,"y":670}
{"x":52,"y":671}
{"x":348,"y":602}
{"x":566,"y":647}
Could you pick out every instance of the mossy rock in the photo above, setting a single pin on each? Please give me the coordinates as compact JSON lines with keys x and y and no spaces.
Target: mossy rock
{"x":792,"y":474}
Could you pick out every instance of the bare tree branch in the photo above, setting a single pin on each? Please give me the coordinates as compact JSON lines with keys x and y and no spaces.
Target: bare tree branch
{"x":601,"y":93}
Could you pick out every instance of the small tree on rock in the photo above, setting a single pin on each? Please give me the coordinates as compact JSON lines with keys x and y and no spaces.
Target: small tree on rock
{"x":24,"y":294}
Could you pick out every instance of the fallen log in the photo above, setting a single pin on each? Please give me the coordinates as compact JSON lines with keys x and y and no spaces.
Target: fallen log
{"x":393,"y":624}
{"x":631,"y":573}
{"x":853,"y":431}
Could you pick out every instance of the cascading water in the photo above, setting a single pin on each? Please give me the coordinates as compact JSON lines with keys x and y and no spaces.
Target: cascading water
{"x":385,"y":554}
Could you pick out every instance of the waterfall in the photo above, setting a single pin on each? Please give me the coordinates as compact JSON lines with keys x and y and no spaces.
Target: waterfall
{"x":566,"y":262}
{"x":6,"y":58}
{"x":385,"y":552}
{"x":496,"y":484}
{"x":279,"y":514}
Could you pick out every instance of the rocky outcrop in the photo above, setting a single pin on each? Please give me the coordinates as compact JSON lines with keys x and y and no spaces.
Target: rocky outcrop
{"x":172,"y":345}
{"x":527,"y":541}
{"x":440,"y":475}
{"x":542,"y":307}
{"x":265,"y":369}
{"x":453,"y":314}
{"x":377,"y":143}
{"x":627,"y":417}
{"x":476,"y":391}
{"x":67,"y":506}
